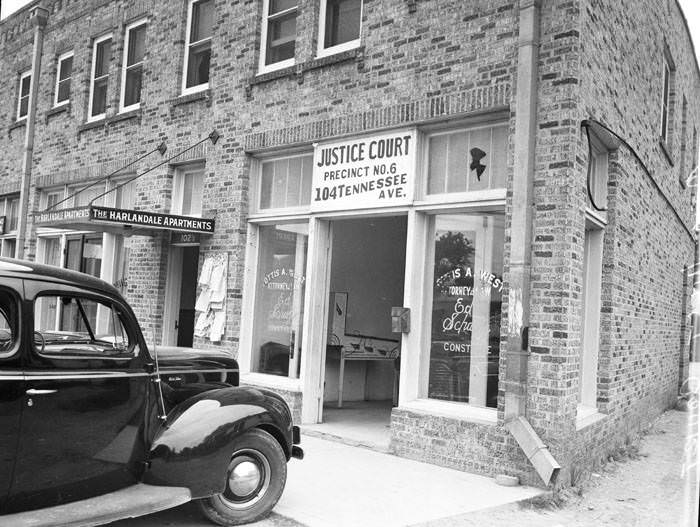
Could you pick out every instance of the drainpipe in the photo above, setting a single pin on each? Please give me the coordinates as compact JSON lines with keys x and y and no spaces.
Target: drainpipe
{"x":38,"y":17}
{"x":520,"y":252}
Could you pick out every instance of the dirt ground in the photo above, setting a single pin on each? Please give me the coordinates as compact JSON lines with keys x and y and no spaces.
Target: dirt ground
{"x":644,"y":489}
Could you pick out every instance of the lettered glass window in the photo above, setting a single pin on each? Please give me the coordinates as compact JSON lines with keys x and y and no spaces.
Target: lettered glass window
{"x":64,"y":73}
{"x":467,"y":289}
{"x":339,"y":25}
{"x":279,"y":31}
{"x":132,"y":69}
{"x":101,"y":55}
{"x":24,"y":93}
{"x":279,"y":299}
{"x":467,"y":160}
{"x":200,"y":21}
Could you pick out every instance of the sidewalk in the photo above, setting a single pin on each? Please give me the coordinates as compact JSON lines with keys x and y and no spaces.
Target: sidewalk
{"x":337,"y":485}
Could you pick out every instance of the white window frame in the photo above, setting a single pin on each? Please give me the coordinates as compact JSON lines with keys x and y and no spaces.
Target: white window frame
{"x":59,"y":61}
{"x":9,"y":235}
{"x":322,"y":51}
{"x":256,"y":189}
{"x":666,"y":89}
{"x":122,"y":90}
{"x":23,"y":76}
{"x":95,"y":43}
{"x":181,"y":173}
{"x":199,"y":87}
{"x":263,"y":68}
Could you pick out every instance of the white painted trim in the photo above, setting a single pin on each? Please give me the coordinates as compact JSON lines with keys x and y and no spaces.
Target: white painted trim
{"x":171,"y":308}
{"x":452,"y":410}
{"x":262,"y":67}
{"x":245,"y":343}
{"x":586,"y":416}
{"x":60,"y":59}
{"x":333,"y":50}
{"x":122,"y":90}
{"x":23,"y":76}
{"x":95,"y":43}
{"x":199,"y":87}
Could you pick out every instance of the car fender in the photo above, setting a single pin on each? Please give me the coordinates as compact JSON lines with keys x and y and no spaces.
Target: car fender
{"x":193,"y":447}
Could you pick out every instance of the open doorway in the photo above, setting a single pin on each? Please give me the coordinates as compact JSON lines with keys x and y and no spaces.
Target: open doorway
{"x":178,"y":326}
{"x":362,"y":353}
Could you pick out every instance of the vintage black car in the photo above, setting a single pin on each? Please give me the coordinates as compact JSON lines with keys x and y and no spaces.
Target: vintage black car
{"x":86,"y":410}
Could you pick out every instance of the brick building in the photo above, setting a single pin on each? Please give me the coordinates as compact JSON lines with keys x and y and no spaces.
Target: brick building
{"x":465,"y":223}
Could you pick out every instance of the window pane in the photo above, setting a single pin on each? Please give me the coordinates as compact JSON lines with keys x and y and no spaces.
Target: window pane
{"x":86,"y":328}
{"x":25,"y":85}
{"x":12,"y":214}
{"x":466,"y":310}
{"x":192,"y":193}
{"x":137,"y":44}
{"x":342,"y":21}
{"x":286,"y":182}
{"x":202,"y":20}
{"x":99,"y":97}
{"x":277,"y":6}
{"x":132,"y":86}
{"x":8,"y":322}
{"x":458,"y":176}
{"x":66,"y":68}
{"x":102,"y":56}
{"x":63,"y":90}
{"x":82,"y":199}
{"x":23,"y":106}
{"x":279,"y":302}
{"x":280,"y":38}
{"x":126,"y":195}
{"x":437,"y":164}
{"x":8,"y":247}
{"x":198,"y":64}
{"x":479,"y":159}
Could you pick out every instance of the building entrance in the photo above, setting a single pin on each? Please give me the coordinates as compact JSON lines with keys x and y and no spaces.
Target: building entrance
{"x":361,"y":370}
{"x":178,"y":327}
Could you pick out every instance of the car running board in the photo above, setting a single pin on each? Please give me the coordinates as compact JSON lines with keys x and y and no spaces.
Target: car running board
{"x":130,"y":502}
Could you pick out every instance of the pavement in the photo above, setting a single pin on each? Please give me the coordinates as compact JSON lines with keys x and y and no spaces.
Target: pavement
{"x":338,"y":485}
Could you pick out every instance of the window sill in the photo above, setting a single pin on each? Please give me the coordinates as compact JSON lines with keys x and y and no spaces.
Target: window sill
{"x":264,"y":380}
{"x":666,"y":150}
{"x":56,"y":110}
{"x":91,"y":125}
{"x":459,"y":411}
{"x":203,"y":95}
{"x":586,"y":416}
{"x":329,"y":59}
{"x":263,"y":77}
{"x":16,"y":125}
{"x":131,"y":114}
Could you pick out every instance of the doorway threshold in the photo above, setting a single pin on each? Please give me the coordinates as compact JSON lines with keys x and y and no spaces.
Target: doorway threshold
{"x":358,"y":423}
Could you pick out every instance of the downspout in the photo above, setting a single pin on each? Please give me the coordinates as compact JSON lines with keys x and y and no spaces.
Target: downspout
{"x":38,"y":17}
{"x":521,"y":243}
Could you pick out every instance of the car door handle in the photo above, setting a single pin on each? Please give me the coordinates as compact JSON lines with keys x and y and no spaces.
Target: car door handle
{"x":33,"y":391}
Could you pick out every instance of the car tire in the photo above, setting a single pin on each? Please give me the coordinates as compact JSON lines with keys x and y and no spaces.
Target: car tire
{"x":255,"y":479}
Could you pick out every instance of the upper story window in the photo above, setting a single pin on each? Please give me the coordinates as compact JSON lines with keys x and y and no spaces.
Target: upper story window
{"x":187,"y":190}
{"x":279,"y":30}
{"x":101,"y":54}
{"x":284,"y":183}
{"x":64,"y":72}
{"x":132,"y":68}
{"x":23,"y":95}
{"x":339,"y":26}
{"x":200,"y":20}
{"x":667,"y":99}
{"x":467,"y":160}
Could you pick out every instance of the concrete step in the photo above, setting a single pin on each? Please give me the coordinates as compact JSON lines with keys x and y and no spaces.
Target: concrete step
{"x":130,"y":502}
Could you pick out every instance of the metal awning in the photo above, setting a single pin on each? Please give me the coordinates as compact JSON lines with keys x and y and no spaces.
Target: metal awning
{"x":121,"y":221}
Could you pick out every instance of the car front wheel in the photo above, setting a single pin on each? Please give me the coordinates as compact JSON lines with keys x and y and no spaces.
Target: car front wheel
{"x":255,"y":480}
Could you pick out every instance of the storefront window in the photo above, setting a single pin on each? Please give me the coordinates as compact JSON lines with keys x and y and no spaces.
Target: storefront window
{"x":466,"y":308}
{"x":279,"y":299}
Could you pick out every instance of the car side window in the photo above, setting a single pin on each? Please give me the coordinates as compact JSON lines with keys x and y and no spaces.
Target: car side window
{"x":8,"y":323}
{"x":77,"y":326}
